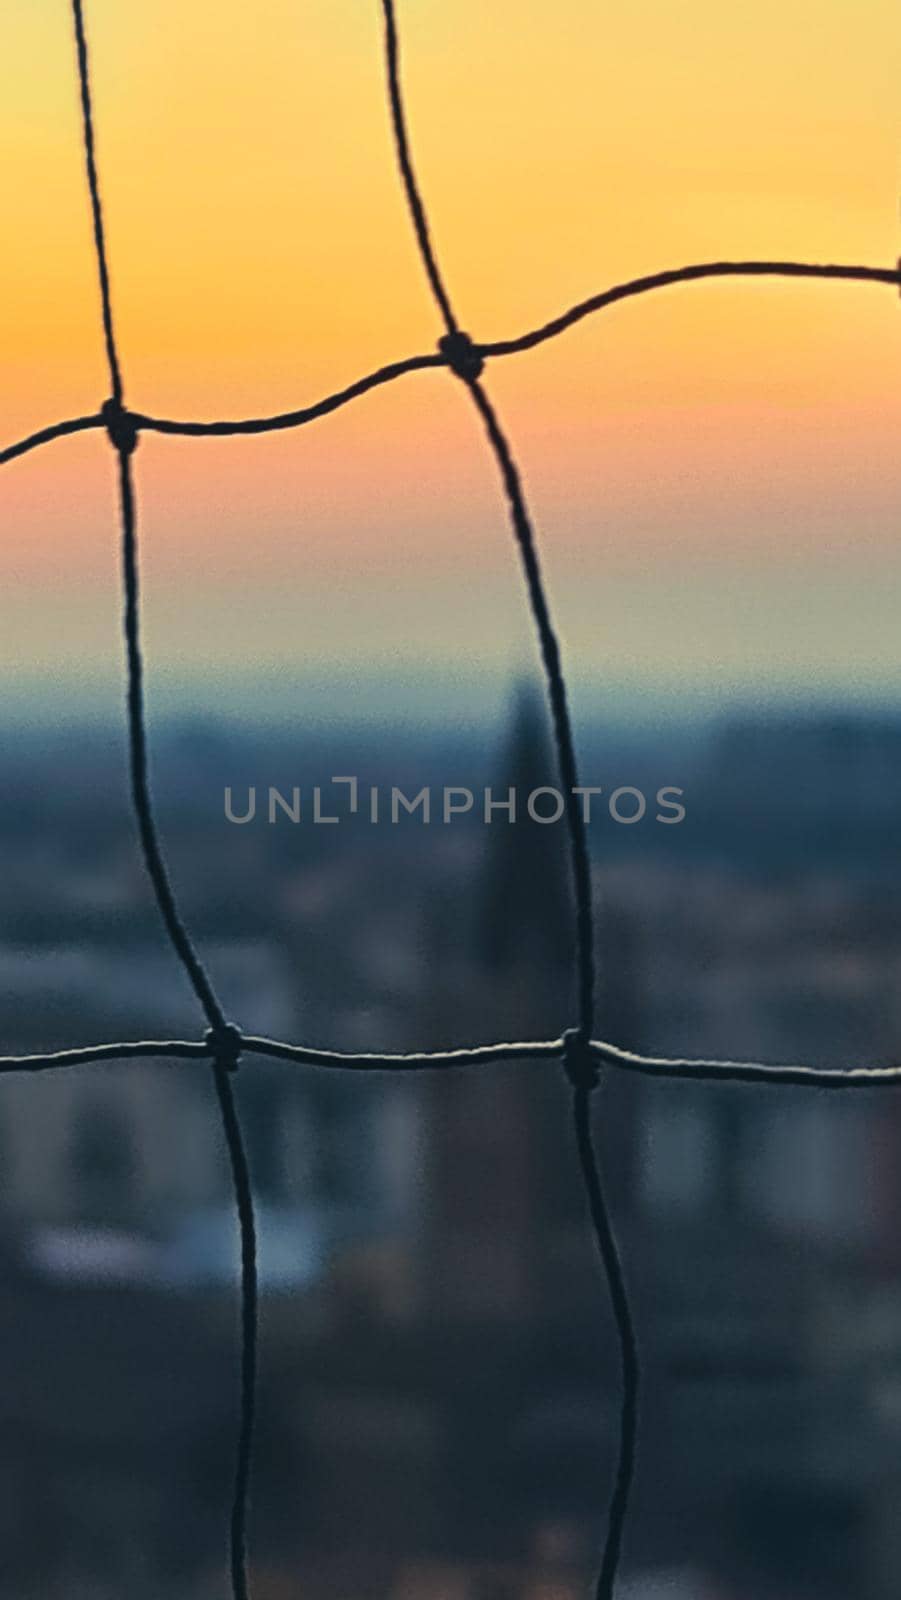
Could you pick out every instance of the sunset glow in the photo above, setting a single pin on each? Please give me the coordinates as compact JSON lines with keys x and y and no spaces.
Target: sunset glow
{"x":709,"y":466}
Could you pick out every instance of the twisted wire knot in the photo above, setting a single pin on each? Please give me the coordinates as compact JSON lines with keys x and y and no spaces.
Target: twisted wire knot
{"x":461,"y":355}
{"x":578,"y":1062}
{"x":120,"y":425}
{"x":225,"y":1045}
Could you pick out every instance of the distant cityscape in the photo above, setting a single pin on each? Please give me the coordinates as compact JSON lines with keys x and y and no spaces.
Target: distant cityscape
{"x":438,"y":1369}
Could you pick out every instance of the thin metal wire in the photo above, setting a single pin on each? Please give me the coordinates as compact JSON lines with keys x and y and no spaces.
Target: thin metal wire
{"x":57,"y":430}
{"x":405,"y":161}
{"x":221,"y":1038}
{"x":522,"y":526}
{"x":699,"y":1070}
{"x":713,"y":1071}
{"x":585,"y":967}
{"x":296,"y":419}
{"x":691,"y":274}
{"x":628,"y":1419}
{"x":121,"y":1051}
{"x":87,"y":123}
{"x":562,"y":724}
{"x":224,"y":1044}
{"x":492,"y":350}
{"x":142,"y":803}
{"x":411,"y":1061}
{"x":467,"y":364}
{"x":249,"y":1328}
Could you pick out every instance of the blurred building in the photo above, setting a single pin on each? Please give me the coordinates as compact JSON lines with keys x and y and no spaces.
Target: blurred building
{"x":439,"y":1367}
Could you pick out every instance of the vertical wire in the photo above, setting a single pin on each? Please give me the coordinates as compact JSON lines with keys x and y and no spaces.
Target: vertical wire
{"x":618,"y":1507}
{"x":523,"y":531}
{"x":249,"y":1329}
{"x":414,"y":199}
{"x":124,"y":439}
{"x":465,"y":361}
{"x":87,"y":124}
{"x":580,"y":1066}
{"x":224,"y":1041}
{"x":137,"y":746}
{"x":123,"y":436}
{"x":556,"y":687}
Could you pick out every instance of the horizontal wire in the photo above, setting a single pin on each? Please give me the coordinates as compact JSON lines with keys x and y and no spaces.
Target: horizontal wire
{"x":293,"y":419}
{"x":123,"y":1051}
{"x":702,"y":1070}
{"x":690,"y":274}
{"x":57,"y":430}
{"x":714,"y":1071}
{"x":497,"y":347}
{"x":413,"y":1061}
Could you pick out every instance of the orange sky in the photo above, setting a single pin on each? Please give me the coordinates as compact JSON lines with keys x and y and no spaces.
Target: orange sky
{"x":715,"y":470}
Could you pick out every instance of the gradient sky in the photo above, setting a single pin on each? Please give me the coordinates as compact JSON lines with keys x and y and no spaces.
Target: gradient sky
{"x":714,"y":470}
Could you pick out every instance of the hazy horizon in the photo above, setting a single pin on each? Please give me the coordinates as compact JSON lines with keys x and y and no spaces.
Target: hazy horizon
{"x":713,"y":470}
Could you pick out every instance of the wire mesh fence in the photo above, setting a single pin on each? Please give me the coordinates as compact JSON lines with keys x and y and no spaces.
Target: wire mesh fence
{"x":224,"y":1045}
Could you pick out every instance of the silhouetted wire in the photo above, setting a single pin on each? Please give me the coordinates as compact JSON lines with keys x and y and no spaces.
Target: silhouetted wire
{"x":249,"y":1325}
{"x":690,"y":274}
{"x":223,"y":1040}
{"x":628,"y":1426}
{"x":467,"y":364}
{"x":563,"y":738}
{"x":494,"y":349}
{"x":464,"y":359}
{"x":606,"y":1054}
{"x":87,"y":123}
{"x":296,"y":419}
{"x":124,"y":1050}
{"x":757,"y":1072}
{"x":411,"y":188}
{"x":479,"y":1055}
{"x":140,"y":788}
{"x":57,"y":430}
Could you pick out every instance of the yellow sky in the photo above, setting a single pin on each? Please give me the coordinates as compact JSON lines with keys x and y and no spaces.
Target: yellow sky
{"x":261,"y":255}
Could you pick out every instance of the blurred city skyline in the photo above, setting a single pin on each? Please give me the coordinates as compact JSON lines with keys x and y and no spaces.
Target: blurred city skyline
{"x":438,"y":1376}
